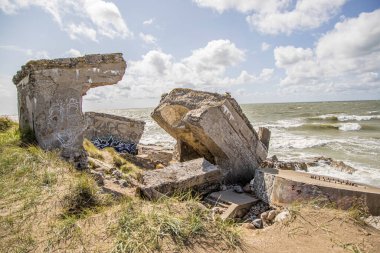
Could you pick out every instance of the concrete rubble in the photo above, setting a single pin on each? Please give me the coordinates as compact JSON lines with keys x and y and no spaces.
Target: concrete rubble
{"x":50,"y":99}
{"x":212,"y":126}
{"x":197,"y":175}
{"x":305,"y":165}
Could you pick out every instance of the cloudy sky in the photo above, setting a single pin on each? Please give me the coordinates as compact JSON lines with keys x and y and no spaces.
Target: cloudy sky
{"x":260,"y":51}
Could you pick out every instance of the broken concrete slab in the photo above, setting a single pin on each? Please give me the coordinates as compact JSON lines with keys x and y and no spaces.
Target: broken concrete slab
{"x":108,"y":128}
{"x":50,"y":99}
{"x":214,"y":127}
{"x":236,"y":201}
{"x":197,"y":175}
{"x":155,"y":154}
{"x":281,"y":187}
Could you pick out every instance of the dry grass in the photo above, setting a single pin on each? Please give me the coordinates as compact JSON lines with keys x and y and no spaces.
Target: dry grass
{"x":5,"y":124}
{"x":47,"y":206}
{"x":92,"y":151}
{"x":172,"y":225}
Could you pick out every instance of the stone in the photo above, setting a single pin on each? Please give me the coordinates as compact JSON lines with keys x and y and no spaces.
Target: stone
{"x":282,"y":187}
{"x":264,"y":136}
{"x":50,"y":99}
{"x":271,"y":215}
{"x":223,"y":187}
{"x":282,"y":216}
{"x":155,"y":154}
{"x":257,"y":223}
{"x":123,"y":183}
{"x":212,"y":126}
{"x":373,"y":221}
{"x":238,"y":203}
{"x":337,"y":165}
{"x":197,"y":175}
{"x":100,"y":165}
{"x":238,"y":189}
{"x":117,"y":174}
{"x":247,"y":188}
{"x":98,"y":176}
{"x":264,"y":216}
{"x":103,"y":127}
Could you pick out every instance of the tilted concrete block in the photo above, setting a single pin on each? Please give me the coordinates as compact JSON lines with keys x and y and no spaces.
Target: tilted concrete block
{"x":212,"y":126}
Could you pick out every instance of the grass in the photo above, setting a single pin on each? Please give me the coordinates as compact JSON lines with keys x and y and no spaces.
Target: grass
{"x":92,"y":151}
{"x":82,"y":197}
{"x":46,"y":205}
{"x":26,"y":172}
{"x":171,"y":225}
{"x":5,"y":124}
{"x":124,"y":165}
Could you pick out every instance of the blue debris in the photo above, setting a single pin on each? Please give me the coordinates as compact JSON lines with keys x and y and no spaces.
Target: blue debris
{"x":118,"y":145}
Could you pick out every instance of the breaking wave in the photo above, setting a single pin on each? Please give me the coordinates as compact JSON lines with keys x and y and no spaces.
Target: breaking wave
{"x":324,"y":126}
{"x":345,"y":117}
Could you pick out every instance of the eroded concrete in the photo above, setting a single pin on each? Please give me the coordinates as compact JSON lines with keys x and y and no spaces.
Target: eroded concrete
{"x":50,"y":99}
{"x":212,"y":126}
{"x":197,"y":175}
{"x":281,"y":187}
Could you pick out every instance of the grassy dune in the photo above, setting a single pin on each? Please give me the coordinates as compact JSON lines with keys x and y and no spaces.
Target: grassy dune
{"x":48,"y":206}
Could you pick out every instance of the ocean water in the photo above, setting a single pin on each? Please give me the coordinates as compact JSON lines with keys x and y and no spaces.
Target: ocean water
{"x":345,"y":131}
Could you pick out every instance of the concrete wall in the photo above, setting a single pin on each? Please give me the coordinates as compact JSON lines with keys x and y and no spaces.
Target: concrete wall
{"x":50,"y":98}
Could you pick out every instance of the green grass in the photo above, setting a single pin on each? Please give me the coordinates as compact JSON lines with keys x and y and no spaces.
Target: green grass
{"x":44,"y":203}
{"x":5,"y":124}
{"x":92,"y":151}
{"x":26,"y":172}
{"x":171,"y":224}
{"x":125,"y":166}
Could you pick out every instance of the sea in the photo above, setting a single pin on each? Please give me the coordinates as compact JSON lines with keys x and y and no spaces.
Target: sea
{"x":344,"y":131}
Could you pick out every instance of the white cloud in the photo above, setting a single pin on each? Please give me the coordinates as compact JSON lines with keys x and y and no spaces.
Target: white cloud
{"x":242,"y":5}
{"x":307,"y":14}
{"x":148,"y":21}
{"x":264,"y":46}
{"x":346,"y":58}
{"x":81,"y":30}
{"x":73,"y":53}
{"x":32,"y":54}
{"x":148,"y":38}
{"x":158,"y":72}
{"x":279,"y":16}
{"x":92,"y":17}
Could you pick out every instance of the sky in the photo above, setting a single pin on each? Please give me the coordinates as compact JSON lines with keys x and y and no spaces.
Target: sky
{"x":259,"y":51}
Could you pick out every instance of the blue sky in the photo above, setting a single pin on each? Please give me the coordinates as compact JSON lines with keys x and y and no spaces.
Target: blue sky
{"x":260,"y":51}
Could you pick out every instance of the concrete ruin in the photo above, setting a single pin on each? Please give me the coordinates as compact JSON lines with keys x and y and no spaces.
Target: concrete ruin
{"x":195,"y":175}
{"x":212,"y":126}
{"x":281,"y":187}
{"x":50,"y":99}
{"x":116,"y":131}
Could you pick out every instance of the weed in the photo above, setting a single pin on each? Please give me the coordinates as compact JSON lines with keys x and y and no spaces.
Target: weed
{"x":148,"y":227}
{"x":5,"y":124}
{"x":82,"y":196}
{"x":93,"y":151}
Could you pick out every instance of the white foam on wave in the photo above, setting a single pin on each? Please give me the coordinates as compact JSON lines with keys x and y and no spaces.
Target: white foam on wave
{"x":286,"y":141}
{"x":345,"y":117}
{"x":350,"y":127}
{"x":287,"y":123}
